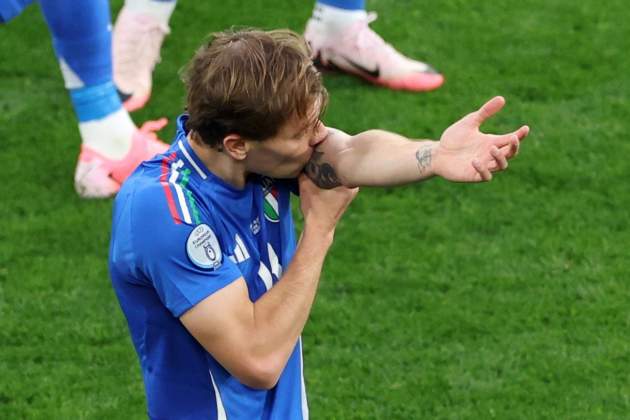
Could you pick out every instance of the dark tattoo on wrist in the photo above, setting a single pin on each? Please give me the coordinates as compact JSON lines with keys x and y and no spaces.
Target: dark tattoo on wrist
{"x":423,"y":158}
{"x":321,"y":173}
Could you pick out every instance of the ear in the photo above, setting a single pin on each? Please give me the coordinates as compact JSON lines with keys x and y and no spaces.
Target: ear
{"x":236,"y":146}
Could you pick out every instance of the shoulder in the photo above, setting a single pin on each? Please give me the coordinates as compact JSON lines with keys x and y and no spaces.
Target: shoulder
{"x":153,"y":216}
{"x":148,"y":201}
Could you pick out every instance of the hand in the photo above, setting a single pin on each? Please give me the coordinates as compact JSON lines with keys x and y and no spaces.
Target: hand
{"x":322,"y":208}
{"x":465,"y":154}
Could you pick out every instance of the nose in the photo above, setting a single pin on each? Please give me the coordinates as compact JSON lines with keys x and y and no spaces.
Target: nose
{"x":321,"y":132}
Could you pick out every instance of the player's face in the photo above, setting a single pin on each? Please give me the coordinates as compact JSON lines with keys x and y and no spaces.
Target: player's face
{"x":286,"y":154}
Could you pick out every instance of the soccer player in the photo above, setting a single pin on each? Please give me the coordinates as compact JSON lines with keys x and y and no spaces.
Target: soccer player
{"x":111,"y":146}
{"x":338,"y":33}
{"x":203,"y":254}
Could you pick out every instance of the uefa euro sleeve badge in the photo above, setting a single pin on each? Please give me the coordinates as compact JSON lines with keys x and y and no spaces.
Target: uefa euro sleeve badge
{"x":203,"y":248}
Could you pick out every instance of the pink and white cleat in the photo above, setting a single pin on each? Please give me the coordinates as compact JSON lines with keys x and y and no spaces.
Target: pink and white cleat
{"x":98,"y":177}
{"x":361,"y":51}
{"x":136,"y":42}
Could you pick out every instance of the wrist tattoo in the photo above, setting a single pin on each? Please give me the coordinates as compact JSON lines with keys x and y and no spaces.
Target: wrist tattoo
{"x":321,"y":173}
{"x":423,"y":159}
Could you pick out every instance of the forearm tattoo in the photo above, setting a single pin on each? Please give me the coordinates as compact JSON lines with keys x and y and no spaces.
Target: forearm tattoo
{"x":321,"y":173}
{"x":423,"y":158}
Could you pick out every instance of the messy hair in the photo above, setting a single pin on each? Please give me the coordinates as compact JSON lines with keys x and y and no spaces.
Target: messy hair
{"x":251,"y":82}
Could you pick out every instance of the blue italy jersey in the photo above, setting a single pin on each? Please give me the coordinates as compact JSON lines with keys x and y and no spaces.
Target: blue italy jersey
{"x":180,"y":234}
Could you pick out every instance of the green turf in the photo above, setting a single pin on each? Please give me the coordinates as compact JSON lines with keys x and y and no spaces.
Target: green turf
{"x":503,"y":300}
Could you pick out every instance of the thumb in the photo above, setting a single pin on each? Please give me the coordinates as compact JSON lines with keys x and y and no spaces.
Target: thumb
{"x":488,"y":109}
{"x":156,"y":125}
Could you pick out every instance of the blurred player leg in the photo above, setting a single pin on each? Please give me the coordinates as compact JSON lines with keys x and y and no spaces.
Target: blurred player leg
{"x":112,"y":146}
{"x":340,"y":37}
{"x":138,"y":35}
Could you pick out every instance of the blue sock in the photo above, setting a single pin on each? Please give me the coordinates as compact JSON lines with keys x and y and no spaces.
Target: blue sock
{"x":344,"y":4}
{"x":82,"y":40}
{"x":11,"y":8}
{"x":95,"y":102}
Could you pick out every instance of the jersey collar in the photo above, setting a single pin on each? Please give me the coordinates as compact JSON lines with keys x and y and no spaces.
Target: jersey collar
{"x":200,"y":169}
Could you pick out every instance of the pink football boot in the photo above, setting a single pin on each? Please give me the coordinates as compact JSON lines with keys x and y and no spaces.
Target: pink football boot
{"x":361,"y":51}
{"x":136,"y":42}
{"x":98,"y":177}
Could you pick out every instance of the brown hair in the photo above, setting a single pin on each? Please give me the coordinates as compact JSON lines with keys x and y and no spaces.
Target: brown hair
{"x":251,"y":82}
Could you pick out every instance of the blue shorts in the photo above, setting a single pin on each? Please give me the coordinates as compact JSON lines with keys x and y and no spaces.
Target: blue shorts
{"x":11,"y":8}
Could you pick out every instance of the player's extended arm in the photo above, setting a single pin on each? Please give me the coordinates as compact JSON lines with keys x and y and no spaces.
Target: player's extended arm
{"x":253,"y":341}
{"x":381,"y":158}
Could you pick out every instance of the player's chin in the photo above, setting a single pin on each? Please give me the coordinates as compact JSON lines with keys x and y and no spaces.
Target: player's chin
{"x":290,"y":168}
{"x":285,"y":172}
{"x":295,"y":169}
{"x":293,"y":174}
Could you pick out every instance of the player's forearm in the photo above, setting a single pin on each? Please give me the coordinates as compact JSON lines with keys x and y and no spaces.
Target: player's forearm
{"x":253,"y":341}
{"x":381,"y":158}
{"x":372,"y":158}
{"x":281,"y":313}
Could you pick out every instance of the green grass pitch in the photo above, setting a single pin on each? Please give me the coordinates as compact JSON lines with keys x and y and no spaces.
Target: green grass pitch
{"x":507,"y":300}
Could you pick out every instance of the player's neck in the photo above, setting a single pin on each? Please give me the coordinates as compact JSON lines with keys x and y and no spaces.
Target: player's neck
{"x":220,"y":164}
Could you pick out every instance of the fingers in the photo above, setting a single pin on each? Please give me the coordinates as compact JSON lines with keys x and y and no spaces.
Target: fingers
{"x":488,"y":109}
{"x":482,"y":170}
{"x":498,"y":162}
{"x":508,"y":143}
{"x":156,"y":125}
{"x":499,"y":158}
{"x":522,"y":132}
{"x":304,"y":182}
{"x":515,"y":143}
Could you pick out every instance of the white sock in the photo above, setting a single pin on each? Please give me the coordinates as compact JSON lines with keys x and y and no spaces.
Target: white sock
{"x":335,"y":19}
{"x":161,"y":10}
{"x":110,"y":136}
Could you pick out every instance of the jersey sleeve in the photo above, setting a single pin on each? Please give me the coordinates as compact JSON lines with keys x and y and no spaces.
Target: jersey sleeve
{"x":184,"y":263}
